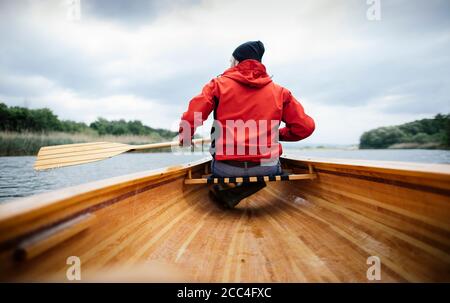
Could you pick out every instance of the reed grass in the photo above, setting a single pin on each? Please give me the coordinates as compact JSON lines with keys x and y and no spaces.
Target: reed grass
{"x":25,"y":143}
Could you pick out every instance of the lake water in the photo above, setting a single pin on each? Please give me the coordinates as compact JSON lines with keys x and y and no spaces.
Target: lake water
{"x":18,"y":179}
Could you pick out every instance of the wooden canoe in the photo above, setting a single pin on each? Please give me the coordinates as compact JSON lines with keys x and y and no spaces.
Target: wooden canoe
{"x":151,"y":226}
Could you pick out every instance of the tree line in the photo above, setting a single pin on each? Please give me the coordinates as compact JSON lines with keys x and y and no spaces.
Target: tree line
{"x":21,"y":119}
{"x":434,"y":132}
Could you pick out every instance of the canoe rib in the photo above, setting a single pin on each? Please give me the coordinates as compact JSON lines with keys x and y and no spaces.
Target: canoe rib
{"x":52,"y":236}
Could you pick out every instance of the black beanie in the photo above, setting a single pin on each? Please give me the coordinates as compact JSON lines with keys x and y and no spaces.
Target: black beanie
{"x":249,"y":50}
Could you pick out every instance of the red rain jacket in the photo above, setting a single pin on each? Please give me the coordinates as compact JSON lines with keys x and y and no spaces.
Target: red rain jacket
{"x":246,"y":92}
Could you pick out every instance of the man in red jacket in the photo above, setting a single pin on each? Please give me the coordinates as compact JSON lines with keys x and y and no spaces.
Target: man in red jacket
{"x":248,"y":108}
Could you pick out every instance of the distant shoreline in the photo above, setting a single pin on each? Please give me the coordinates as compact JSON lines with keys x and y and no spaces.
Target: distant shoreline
{"x":28,"y":144}
{"x":24,"y":131}
{"x":431,"y":133}
{"x":393,"y":147}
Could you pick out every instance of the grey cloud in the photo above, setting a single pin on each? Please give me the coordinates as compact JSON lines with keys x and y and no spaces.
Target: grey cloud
{"x":131,"y":12}
{"x":411,"y":59}
{"x":28,"y":52}
{"x":357,"y":84}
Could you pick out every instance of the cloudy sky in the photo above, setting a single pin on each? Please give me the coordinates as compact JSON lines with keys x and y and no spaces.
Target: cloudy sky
{"x":145,"y":59}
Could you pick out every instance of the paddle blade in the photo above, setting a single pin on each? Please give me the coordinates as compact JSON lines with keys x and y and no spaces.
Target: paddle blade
{"x":74,"y":154}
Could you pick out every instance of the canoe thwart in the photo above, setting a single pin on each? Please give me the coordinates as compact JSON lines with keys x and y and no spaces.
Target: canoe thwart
{"x":216,"y":180}
{"x":48,"y":238}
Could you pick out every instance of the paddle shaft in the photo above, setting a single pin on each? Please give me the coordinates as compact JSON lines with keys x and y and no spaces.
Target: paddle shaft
{"x":166,"y":144}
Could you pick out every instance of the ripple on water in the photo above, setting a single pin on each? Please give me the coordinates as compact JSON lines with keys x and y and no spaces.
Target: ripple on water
{"x":19,"y":179}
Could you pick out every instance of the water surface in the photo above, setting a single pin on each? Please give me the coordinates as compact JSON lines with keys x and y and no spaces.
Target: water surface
{"x":18,"y":179}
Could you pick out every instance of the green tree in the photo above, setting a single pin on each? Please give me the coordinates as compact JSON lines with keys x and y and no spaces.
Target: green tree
{"x":20,"y":119}
{"x":436,"y":130}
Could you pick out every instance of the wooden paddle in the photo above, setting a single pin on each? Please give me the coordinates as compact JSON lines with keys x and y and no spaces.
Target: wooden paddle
{"x":74,"y":154}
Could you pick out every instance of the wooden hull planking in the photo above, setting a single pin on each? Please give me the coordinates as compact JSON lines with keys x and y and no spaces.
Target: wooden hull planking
{"x":151,"y":226}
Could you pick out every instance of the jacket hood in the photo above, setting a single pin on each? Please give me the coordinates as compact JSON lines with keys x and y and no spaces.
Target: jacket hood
{"x":250,"y":73}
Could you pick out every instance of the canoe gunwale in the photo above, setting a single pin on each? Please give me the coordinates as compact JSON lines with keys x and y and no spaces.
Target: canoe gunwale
{"x":23,"y":217}
{"x":413,"y":175}
{"x":425,"y":170}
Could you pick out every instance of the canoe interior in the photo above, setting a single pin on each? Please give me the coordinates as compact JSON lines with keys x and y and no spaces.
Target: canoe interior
{"x":153,"y":227}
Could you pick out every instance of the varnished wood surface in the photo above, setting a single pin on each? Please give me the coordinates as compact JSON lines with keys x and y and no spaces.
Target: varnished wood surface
{"x":81,"y":153}
{"x":312,"y":230}
{"x":51,"y":237}
{"x":290,"y":177}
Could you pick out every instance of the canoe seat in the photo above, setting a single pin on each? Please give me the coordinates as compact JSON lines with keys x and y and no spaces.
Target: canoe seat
{"x":215,"y":180}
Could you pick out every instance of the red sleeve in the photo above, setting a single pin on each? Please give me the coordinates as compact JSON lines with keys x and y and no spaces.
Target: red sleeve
{"x":298,"y":124}
{"x":198,"y":111}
